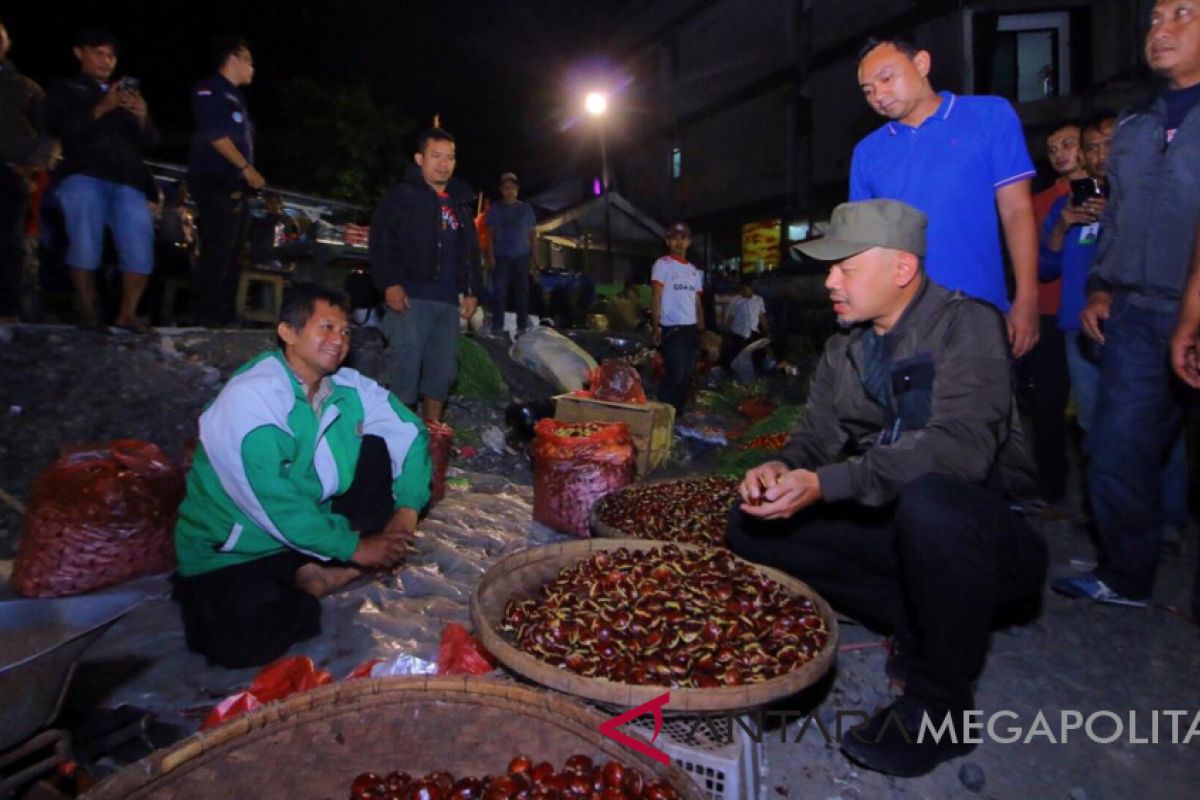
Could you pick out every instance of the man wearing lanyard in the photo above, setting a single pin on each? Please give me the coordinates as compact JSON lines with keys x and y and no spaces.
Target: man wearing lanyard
{"x":220,"y":174}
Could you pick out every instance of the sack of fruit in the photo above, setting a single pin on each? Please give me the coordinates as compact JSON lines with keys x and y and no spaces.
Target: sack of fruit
{"x":97,"y":517}
{"x":617,"y":382}
{"x":574,"y":465}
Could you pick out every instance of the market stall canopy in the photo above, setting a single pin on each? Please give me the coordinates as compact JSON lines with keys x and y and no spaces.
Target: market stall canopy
{"x":582,"y":226}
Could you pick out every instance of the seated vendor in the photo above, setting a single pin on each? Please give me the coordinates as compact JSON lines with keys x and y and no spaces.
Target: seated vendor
{"x":892,"y":495}
{"x":306,"y":474}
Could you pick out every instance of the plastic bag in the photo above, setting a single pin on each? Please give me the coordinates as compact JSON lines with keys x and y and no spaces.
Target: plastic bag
{"x":98,"y":517}
{"x":574,"y":465}
{"x":615,"y":381}
{"x":460,"y":653}
{"x":554,"y":358}
{"x":277,"y":680}
{"x":441,"y":437}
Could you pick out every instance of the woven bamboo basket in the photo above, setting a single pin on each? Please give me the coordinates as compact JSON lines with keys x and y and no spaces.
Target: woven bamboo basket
{"x":314,"y":744}
{"x":521,"y":575}
{"x":603,"y":529}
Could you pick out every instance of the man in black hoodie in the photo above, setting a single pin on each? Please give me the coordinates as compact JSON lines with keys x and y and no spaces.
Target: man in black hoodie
{"x":105,"y":129}
{"x":424,"y":255}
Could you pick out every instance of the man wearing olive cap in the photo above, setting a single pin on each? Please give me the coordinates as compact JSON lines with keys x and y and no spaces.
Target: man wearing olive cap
{"x":890,"y":497}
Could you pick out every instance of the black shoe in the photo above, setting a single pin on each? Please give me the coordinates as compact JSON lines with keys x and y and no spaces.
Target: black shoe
{"x":892,"y":741}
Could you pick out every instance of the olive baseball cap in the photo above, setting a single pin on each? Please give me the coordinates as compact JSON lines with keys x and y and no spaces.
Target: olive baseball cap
{"x":857,"y":227}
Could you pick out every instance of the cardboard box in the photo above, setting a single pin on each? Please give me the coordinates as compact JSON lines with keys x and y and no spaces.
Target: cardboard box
{"x":650,"y":423}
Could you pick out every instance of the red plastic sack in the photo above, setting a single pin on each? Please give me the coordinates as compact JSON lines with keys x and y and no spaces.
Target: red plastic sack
{"x":441,"y":437}
{"x":460,"y":653}
{"x":98,"y":517}
{"x":617,"y":381}
{"x":574,"y":465}
{"x":277,"y":680}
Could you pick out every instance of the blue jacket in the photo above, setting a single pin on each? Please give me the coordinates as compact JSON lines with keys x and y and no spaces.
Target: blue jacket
{"x":1072,"y":264}
{"x":1154,"y":202}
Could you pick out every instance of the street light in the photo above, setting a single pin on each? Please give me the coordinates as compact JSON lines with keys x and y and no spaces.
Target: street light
{"x":596,"y":104}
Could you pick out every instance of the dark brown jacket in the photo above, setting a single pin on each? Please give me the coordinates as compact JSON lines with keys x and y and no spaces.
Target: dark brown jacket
{"x":952,"y":403}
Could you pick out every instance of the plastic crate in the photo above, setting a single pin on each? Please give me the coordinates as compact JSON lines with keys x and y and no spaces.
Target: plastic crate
{"x":719,"y":754}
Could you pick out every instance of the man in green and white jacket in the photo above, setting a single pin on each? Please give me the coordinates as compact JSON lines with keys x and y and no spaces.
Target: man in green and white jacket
{"x":306,"y":474}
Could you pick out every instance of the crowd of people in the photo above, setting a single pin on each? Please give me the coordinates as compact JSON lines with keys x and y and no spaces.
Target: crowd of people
{"x":897,"y":496}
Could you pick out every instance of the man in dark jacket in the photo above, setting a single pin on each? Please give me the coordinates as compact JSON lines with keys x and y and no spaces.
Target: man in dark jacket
{"x":1134,"y":291}
{"x":424,"y":255}
{"x":889,"y":497}
{"x":105,"y":129}
{"x":22,"y":150}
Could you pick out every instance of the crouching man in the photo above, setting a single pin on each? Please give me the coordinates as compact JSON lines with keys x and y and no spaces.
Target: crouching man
{"x":890,"y":496}
{"x":306,"y":474}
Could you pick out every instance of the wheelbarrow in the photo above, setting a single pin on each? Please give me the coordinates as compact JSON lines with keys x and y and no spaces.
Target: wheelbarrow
{"x":41,"y":642}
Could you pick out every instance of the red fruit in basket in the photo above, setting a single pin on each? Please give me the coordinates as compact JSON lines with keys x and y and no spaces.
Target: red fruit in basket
{"x":443,"y":779}
{"x":579,"y":785}
{"x":657,"y":790}
{"x":366,"y":783}
{"x":632,"y":783}
{"x":578,"y":765}
{"x":397,"y":780}
{"x":541,"y":772}
{"x":426,"y":789}
{"x":520,"y":764}
{"x":556,"y":784}
{"x":502,"y":783}
{"x":614,"y":773}
{"x":613,"y":793}
{"x":466,"y":789}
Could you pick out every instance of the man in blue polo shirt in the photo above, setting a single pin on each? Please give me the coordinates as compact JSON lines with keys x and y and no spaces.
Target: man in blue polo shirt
{"x":958,"y":159}
{"x":221,"y":174}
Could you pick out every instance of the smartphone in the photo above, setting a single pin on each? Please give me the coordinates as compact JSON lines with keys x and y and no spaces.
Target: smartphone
{"x":128,"y":84}
{"x":1084,"y":189}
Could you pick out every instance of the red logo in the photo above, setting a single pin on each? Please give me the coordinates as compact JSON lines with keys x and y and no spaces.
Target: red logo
{"x":655,"y":707}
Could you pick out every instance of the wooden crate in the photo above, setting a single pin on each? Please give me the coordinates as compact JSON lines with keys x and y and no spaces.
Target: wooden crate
{"x":650,"y":423}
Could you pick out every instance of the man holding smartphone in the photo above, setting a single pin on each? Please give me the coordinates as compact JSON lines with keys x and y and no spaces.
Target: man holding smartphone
{"x":1135,"y":287}
{"x":105,"y":128}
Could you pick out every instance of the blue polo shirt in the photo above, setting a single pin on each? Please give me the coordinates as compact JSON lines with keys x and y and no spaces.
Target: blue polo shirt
{"x":219,"y":110}
{"x":950,"y":167}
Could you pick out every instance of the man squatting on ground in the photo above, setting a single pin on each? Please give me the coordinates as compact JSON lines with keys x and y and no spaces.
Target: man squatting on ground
{"x":890,"y":497}
{"x":306,"y":474}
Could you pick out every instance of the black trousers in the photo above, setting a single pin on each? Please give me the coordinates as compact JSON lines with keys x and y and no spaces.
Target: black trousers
{"x":680,"y":344}
{"x":249,"y":614}
{"x":934,"y":567}
{"x":222,"y":224}
{"x":1045,"y":386}
{"x":14,"y":205}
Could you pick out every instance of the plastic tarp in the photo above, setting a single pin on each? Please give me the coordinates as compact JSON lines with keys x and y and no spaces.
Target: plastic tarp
{"x":554,"y":358}
{"x":143,"y":661}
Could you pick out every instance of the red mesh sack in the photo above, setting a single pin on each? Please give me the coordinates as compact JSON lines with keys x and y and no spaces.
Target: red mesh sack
{"x":441,"y":436}
{"x":574,"y":465}
{"x":617,"y":382}
{"x":97,"y":517}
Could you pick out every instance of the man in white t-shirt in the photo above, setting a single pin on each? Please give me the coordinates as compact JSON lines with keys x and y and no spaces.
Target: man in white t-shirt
{"x":745,"y":318}
{"x":676,"y":314}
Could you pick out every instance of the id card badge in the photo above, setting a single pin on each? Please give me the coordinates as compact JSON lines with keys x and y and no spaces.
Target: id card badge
{"x":1089,"y":233}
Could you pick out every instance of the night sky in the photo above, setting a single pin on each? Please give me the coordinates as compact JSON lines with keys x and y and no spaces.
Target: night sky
{"x":498,"y":72}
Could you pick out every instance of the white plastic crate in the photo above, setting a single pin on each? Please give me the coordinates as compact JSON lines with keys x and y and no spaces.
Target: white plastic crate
{"x":720,"y":756}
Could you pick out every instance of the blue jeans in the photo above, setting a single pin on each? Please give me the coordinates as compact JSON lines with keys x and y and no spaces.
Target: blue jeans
{"x":1085,"y":382}
{"x":1137,"y":417}
{"x":511,"y":278}
{"x":89,"y":206}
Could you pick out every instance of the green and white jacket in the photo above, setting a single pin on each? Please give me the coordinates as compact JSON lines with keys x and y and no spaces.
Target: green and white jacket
{"x":268,"y":464}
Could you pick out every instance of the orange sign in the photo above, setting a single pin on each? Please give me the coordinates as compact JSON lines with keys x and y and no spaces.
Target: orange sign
{"x":761,"y":244}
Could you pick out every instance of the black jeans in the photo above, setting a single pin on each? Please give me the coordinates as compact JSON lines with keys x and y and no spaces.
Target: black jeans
{"x":14,"y":206}
{"x":1046,"y":387}
{"x":222,"y":225}
{"x":511,"y":279}
{"x":680,"y":344}
{"x":250,"y":614}
{"x":935,"y":567}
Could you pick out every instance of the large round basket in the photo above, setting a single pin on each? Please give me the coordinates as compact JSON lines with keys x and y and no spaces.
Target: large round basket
{"x":607,"y":531}
{"x":521,"y":575}
{"x":314,"y":744}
